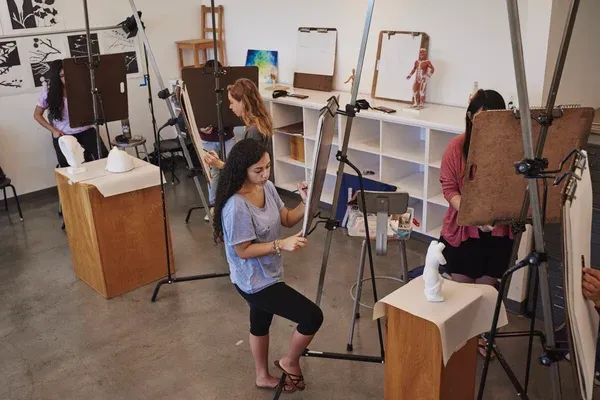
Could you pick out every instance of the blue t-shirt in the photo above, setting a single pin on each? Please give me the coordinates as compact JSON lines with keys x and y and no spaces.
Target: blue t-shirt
{"x":243,"y":222}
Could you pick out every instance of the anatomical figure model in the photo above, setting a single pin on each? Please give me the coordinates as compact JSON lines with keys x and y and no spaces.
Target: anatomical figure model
{"x":431,"y":274}
{"x":423,"y":69}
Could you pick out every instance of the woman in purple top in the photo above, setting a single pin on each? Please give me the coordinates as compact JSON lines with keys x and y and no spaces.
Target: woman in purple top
{"x":54,"y":99}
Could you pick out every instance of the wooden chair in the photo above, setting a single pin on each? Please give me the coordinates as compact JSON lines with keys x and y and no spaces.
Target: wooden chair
{"x":204,"y":43}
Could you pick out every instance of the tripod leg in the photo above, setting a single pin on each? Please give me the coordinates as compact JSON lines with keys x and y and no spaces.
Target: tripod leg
{"x":403,"y":261}
{"x":531,"y":330}
{"x":157,"y":288}
{"x":355,"y":312}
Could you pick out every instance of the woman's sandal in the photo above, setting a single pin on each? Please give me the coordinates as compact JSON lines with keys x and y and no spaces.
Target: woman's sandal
{"x":482,"y":350}
{"x":293,"y":379}
{"x":287,"y":388}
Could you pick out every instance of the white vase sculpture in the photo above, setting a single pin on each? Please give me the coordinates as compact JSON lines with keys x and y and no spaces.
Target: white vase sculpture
{"x":431,"y":274}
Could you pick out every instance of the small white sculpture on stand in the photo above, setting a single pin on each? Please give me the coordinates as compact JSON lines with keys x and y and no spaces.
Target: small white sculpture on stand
{"x":431,"y":274}
{"x":119,"y":161}
{"x":73,"y":153}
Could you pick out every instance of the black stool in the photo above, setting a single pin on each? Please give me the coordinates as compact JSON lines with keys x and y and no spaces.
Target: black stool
{"x":4,"y":183}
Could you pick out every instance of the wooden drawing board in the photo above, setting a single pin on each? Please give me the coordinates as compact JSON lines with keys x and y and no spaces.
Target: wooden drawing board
{"x":200,"y":85}
{"x":396,"y":55}
{"x":111,"y":82}
{"x":190,"y":121}
{"x":493,"y":192}
{"x":325,"y":134}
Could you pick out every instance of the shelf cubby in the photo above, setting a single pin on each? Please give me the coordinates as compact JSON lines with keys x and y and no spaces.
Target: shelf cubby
{"x":365,"y":134}
{"x":284,"y":114}
{"x":404,"y":142}
{"x":365,"y":162}
{"x":281,"y":149}
{"x":288,"y":175}
{"x":438,"y":141}
{"x":406,"y":176}
{"x":434,"y":187}
{"x":311,"y":121}
{"x":435,"y":215}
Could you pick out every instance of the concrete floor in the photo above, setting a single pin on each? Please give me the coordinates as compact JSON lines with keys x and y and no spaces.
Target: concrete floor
{"x":61,"y":340}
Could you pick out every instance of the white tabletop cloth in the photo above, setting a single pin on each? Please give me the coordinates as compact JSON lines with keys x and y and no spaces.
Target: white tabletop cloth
{"x":467,"y":311}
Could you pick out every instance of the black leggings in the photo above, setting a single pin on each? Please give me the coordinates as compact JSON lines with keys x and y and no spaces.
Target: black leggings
{"x":282,"y":300}
{"x":87,"y":140}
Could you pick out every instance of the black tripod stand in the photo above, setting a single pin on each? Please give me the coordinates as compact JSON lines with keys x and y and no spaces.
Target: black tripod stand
{"x":164,"y":94}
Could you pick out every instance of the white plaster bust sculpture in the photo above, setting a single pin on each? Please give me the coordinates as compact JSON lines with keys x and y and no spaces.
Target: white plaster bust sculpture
{"x":431,"y":274}
{"x":73,"y":153}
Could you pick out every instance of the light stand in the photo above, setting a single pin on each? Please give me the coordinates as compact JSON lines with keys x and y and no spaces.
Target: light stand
{"x":218,"y":90}
{"x":217,"y":71}
{"x":331,"y":225}
{"x":164,"y":94}
{"x":533,"y":168}
{"x":92,"y":67}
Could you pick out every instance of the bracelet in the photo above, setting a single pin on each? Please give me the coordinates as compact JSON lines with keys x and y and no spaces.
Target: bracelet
{"x":276,"y":247}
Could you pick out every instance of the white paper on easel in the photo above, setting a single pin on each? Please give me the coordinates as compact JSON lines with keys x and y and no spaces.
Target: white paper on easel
{"x":397,"y":59}
{"x":583,"y":317}
{"x":315,"y":52}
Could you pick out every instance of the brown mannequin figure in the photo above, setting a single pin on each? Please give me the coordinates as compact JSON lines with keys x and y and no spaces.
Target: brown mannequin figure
{"x":424,"y":69}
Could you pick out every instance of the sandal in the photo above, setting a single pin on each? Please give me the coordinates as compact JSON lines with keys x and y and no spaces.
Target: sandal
{"x":295,"y":380}
{"x":287,"y":388}
{"x":482,"y":350}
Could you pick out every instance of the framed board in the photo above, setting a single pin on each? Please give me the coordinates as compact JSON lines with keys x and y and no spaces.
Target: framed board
{"x":397,"y":52}
{"x":325,"y":135}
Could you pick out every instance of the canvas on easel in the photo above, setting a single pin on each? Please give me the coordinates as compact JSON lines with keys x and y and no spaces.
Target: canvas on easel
{"x":315,"y":58}
{"x":324,"y":141}
{"x":583,"y":318}
{"x":190,"y":121}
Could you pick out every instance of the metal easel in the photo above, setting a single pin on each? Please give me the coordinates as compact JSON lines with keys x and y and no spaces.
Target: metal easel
{"x":532,"y":167}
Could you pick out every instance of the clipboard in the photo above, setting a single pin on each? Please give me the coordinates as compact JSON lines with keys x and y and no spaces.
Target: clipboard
{"x":315,"y":58}
{"x":396,"y":55}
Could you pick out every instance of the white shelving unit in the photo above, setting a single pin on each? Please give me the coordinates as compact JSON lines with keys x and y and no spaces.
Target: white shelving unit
{"x":403,"y":149}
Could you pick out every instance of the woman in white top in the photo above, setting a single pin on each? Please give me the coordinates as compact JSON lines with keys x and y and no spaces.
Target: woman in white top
{"x":54,"y":99}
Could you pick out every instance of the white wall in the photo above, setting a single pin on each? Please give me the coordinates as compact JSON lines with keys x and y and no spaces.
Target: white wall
{"x":581,"y":81}
{"x":469,"y":42}
{"x":470,"y":39}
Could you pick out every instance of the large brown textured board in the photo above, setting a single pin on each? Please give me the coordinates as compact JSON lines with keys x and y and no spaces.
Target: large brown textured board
{"x":324,"y":83}
{"x":493,"y":192}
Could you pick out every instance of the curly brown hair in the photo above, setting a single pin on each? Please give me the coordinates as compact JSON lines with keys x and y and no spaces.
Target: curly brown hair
{"x":255,"y":112}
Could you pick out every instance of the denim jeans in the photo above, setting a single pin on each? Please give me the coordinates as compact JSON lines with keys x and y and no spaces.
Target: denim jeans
{"x":215,"y":172}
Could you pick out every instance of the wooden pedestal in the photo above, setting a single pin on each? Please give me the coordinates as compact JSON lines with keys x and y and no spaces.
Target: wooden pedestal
{"x":117,"y":243}
{"x":414,"y":366}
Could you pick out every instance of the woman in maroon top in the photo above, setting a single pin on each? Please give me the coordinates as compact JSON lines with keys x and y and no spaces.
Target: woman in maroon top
{"x":474,"y":254}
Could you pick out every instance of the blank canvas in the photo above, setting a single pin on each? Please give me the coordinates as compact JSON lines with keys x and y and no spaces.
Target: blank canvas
{"x":315,"y":52}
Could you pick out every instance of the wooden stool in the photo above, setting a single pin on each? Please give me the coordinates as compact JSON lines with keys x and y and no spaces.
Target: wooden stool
{"x":204,"y":43}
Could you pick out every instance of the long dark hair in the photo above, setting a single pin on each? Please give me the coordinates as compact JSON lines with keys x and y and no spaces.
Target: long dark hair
{"x":242,"y":156}
{"x":55,"y":92}
{"x":481,"y":100}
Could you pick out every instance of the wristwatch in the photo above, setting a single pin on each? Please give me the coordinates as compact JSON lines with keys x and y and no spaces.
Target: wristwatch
{"x":276,"y":247}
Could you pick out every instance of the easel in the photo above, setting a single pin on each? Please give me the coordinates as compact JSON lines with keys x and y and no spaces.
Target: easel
{"x":533,"y":167}
{"x":332,"y":224}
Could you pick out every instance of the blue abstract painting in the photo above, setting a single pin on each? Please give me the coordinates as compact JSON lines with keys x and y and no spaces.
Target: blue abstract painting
{"x":267,"y":63}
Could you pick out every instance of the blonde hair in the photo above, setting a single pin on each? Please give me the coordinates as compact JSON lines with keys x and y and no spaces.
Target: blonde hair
{"x":255,"y":113}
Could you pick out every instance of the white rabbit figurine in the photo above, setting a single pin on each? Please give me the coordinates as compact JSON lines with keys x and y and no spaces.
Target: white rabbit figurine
{"x":431,"y":275}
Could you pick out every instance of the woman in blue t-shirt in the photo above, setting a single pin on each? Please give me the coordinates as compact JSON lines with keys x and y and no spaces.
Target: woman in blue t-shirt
{"x":248,"y":217}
